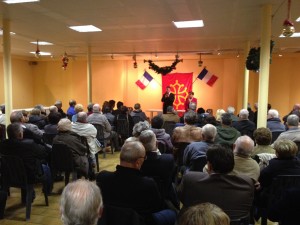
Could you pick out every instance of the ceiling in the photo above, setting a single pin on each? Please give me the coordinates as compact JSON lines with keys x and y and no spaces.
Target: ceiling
{"x":144,"y":27}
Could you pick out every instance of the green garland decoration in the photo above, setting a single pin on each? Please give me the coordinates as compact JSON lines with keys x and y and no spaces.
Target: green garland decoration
{"x":163,"y":70}
{"x":252,"y":62}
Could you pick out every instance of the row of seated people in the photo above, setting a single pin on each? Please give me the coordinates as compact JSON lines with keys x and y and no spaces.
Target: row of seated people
{"x":86,"y":197}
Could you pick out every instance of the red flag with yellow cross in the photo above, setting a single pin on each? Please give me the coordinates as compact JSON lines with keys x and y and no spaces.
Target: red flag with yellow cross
{"x":181,"y":84}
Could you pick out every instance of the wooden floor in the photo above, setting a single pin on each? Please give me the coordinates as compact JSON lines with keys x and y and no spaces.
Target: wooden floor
{"x":48,"y":215}
{"x":40,"y":213}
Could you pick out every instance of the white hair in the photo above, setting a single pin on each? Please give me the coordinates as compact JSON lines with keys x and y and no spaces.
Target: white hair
{"x":244,"y":145}
{"x":81,"y":203}
{"x":244,"y":114}
{"x":230,"y":109}
{"x":148,"y":139}
{"x":209,"y":132}
{"x":273,"y":113}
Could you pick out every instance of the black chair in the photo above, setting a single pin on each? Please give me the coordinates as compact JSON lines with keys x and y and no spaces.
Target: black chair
{"x":275,"y":135}
{"x":279,"y":186}
{"x":136,"y":119}
{"x":161,"y":145}
{"x":114,"y":215}
{"x":198,"y":164}
{"x":13,"y":174}
{"x":48,"y":138}
{"x":100,"y":137}
{"x":179,"y":148}
{"x":298,"y":145}
{"x":169,"y":126}
{"x":62,"y":160}
{"x":122,"y":126}
{"x":2,"y":132}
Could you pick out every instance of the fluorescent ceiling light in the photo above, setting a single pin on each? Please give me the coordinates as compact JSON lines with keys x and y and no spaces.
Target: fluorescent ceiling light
{"x":11,"y":33}
{"x":85,"y":28}
{"x":19,"y":1}
{"x":294,"y":35}
{"x":298,"y":19}
{"x":41,"y":53}
{"x":41,"y":43}
{"x":189,"y":24}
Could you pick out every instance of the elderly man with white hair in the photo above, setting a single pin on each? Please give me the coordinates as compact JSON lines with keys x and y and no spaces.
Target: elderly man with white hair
{"x":84,"y":129}
{"x":244,"y":125}
{"x":198,"y":149}
{"x":231,"y":111}
{"x":81,"y":203}
{"x":243,"y":163}
{"x":293,"y":132}
{"x":274,"y":122}
{"x":97,"y":118}
{"x":159,"y":165}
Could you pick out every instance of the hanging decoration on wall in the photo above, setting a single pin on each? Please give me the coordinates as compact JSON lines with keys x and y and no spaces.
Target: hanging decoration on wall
{"x":252,"y":62}
{"x":166,"y":69}
{"x":65,"y":61}
{"x":288,"y":26}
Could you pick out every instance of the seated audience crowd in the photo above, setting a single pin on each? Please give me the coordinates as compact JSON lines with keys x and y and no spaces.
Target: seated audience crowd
{"x":159,"y":165}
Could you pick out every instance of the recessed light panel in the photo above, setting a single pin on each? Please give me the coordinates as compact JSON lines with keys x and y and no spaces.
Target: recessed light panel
{"x":298,"y":19}
{"x":19,"y":1}
{"x":41,"y":43}
{"x":189,"y":24}
{"x":86,"y":28}
{"x":41,"y":53}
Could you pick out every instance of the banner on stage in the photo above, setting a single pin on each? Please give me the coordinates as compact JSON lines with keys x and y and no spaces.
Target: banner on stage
{"x":180,"y":84}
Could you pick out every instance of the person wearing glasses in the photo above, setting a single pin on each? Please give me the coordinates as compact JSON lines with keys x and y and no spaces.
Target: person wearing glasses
{"x":128,"y":188}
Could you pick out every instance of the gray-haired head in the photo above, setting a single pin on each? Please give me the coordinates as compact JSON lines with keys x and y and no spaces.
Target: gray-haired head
{"x":230,"y":109}
{"x":273,"y":113}
{"x":64,"y":125}
{"x":81,"y":203}
{"x":81,"y":117}
{"x":209,"y":132}
{"x":170,"y":109}
{"x":190,"y":117}
{"x":53,"y":109}
{"x":139,"y":127}
{"x":293,"y":120}
{"x":148,"y":139}
{"x":192,"y":106}
{"x":244,"y":114}
{"x":96,"y":108}
{"x":244,"y":146}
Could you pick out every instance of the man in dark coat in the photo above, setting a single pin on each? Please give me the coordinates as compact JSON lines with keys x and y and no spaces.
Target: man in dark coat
{"x":168,"y":99}
{"x":127,"y":188}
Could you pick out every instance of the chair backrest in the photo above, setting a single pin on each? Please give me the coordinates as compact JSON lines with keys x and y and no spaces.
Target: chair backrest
{"x":179,"y":151}
{"x":123,"y":127}
{"x":100,"y":132}
{"x":13,"y":172}
{"x":136,"y":119}
{"x":169,"y":127}
{"x":198,"y":164}
{"x":48,"y":138}
{"x":280,"y":184}
{"x":114,"y":215}
{"x":275,"y":135}
{"x":298,"y":145}
{"x":2,"y":132}
{"x":61,"y":158}
{"x":161,"y":145}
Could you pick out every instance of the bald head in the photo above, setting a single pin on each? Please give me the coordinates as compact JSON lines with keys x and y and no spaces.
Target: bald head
{"x":131,"y":151}
{"x":81,"y":117}
{"x":244,"y":146}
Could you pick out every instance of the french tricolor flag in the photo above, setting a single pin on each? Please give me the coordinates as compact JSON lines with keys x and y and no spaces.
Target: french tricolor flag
{"x":207,"y":77}
{"x":144,"y":80}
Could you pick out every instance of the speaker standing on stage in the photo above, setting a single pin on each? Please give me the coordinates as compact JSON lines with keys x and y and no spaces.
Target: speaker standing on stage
{"x":168,"y":99}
